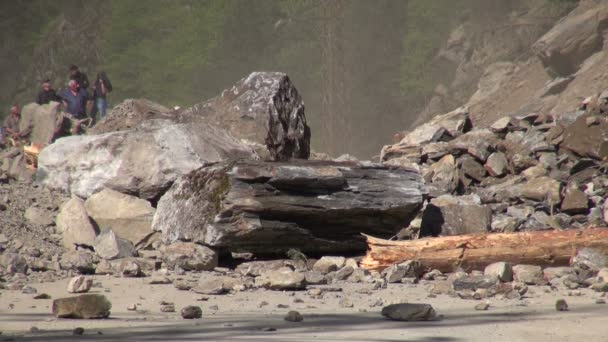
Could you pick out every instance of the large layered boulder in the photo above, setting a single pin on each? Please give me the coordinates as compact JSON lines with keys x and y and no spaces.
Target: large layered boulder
{"x":264,"y":107}
{"x":451,"y":215}
{"x":267,"y":208}
{"x":143,"y":162}
{"x":572,"y":40}
{"x":128,"y":216}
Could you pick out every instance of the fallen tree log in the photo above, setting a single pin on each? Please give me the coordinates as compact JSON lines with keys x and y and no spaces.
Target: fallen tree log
{"x":318,"y":207}
{"x":476,"y":251}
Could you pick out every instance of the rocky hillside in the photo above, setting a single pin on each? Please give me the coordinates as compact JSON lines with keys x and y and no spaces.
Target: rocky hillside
{"x":540,"y":63}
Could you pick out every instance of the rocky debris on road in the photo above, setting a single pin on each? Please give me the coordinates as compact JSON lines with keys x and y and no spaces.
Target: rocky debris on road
{"x":80,"y":284}
{"x":409,"y":312}
{"x":269,"y":208}
{"x":191,"y":312}
{"x":87,"y":306}
{"x":282,"y":279}
{"x":482,"y":306}
{"x":501,"y":270}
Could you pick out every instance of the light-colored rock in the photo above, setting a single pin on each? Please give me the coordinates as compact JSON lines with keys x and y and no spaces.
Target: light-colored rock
{"x":81,"y":261}
{"x":256,"y":268}
{"x":189,"y":256}
{"x":74,"y":224}
{"x":590,"y":259}
{"x":142,"y":162}
{"x":501,"y":270}
{"x":551,"y":273}
{"x":282,"y":279}
{"x":129,"y":217}
{"x":329,"y":264}
{"x":109,"y":246}
{"x":542,"y":189}
{"x":497,"y":164}
{"x":80,"y":284}
{"x":39,"y":217}
{"x":528,"y":274}
{"x":294,"y":316}
{"x":85,"y":306}
{"x":410,"y":268}
{"x":215,"y":285}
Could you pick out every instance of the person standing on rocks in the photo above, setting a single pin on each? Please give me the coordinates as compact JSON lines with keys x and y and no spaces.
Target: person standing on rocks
{"x":75,"y":103}
{"x":47,"y":94}
{"x":12,"y":124}
{"x":101,"y":88}
{"x":80,"y":77}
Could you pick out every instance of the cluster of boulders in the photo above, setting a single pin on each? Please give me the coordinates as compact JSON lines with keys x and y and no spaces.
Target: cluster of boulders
{"x":527,"y":172}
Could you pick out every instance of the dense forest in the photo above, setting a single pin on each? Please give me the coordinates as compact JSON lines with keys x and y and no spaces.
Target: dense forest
{"x":364,"y":68}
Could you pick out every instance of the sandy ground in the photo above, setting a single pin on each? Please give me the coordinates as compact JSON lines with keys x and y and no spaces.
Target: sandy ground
{"x":239,"y":317}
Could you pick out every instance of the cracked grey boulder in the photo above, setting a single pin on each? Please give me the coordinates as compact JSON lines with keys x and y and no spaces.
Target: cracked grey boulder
{"x":189,"y":256}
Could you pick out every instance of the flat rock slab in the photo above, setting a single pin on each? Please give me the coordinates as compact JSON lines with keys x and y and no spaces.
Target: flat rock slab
{"x":409,"y":312}
{"x":318,"y":207}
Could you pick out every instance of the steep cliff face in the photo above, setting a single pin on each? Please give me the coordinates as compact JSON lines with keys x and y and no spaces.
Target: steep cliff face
{"x":562,"y":61}
{"x":491,"y":46}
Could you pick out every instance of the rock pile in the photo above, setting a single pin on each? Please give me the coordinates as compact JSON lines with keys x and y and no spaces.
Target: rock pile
{"x":522,"y":173}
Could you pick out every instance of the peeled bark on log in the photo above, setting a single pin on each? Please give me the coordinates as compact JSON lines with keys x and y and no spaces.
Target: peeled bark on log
{"x":476,"y":251}
{"x":266,"y":208}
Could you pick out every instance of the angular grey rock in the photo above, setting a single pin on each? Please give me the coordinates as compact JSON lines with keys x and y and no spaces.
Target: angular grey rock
{"x":85,"y":306}
{"x":503,"y":271}
{"x":410,"y":268}
{"x":442,"y":176}
{"x":44,"y":120}
{"x":409,"y":312}
{"x":80,"y":284}
{"x":343,"y":273}
{"x":551,"y":273}
{"x":74,"y":224}
{"x":131,"y":113}
{"x":282,"y":279}
{"x":215,"y":285}
{"x":191,"y":312}
{"x":129,"y":268}
{"x":269,"y":208}
{"x":472,"y":168}
{"x":142,"y":162}
{"x":497,"y":164}
{"x":315,"y":278}
{"x":503,"y":124}
{"x":474,"y":282}
{"x":575,"y":201}
{"x":294,"y":316}
{"x":590,"y":259}
{"x":328,"y":264}
{"x":189,"y":256}
{"x":542,"y":189}
{"x":505,"y":224}
{"x":482,"y":306}
{"x":264,"y":107}
{"x":360,"y":275}
{"x":109,"y":246}
{"x":129,"y":217}
{"x":451,"y":215}
{"x":455,"y":123}
{"x":528,"y":274}
{"x":81,"y":261}
{"x":256,"y":268}
{"x":587,"y":141}
{"x":476,"y":143}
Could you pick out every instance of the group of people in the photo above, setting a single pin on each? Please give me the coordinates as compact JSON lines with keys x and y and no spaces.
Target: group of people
{"x":79,"y":104}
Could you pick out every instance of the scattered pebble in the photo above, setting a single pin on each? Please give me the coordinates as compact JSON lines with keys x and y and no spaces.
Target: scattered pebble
{"x":192,"y":312}
{"x":482,"y":306}
{"x":78,"y":331}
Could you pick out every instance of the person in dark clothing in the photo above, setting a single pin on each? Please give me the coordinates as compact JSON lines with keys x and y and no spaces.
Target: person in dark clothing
{"x":47,"y":94}
{"x":75,"y":100}
{"x":80,"y":77}
{"x":101,"y":88}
